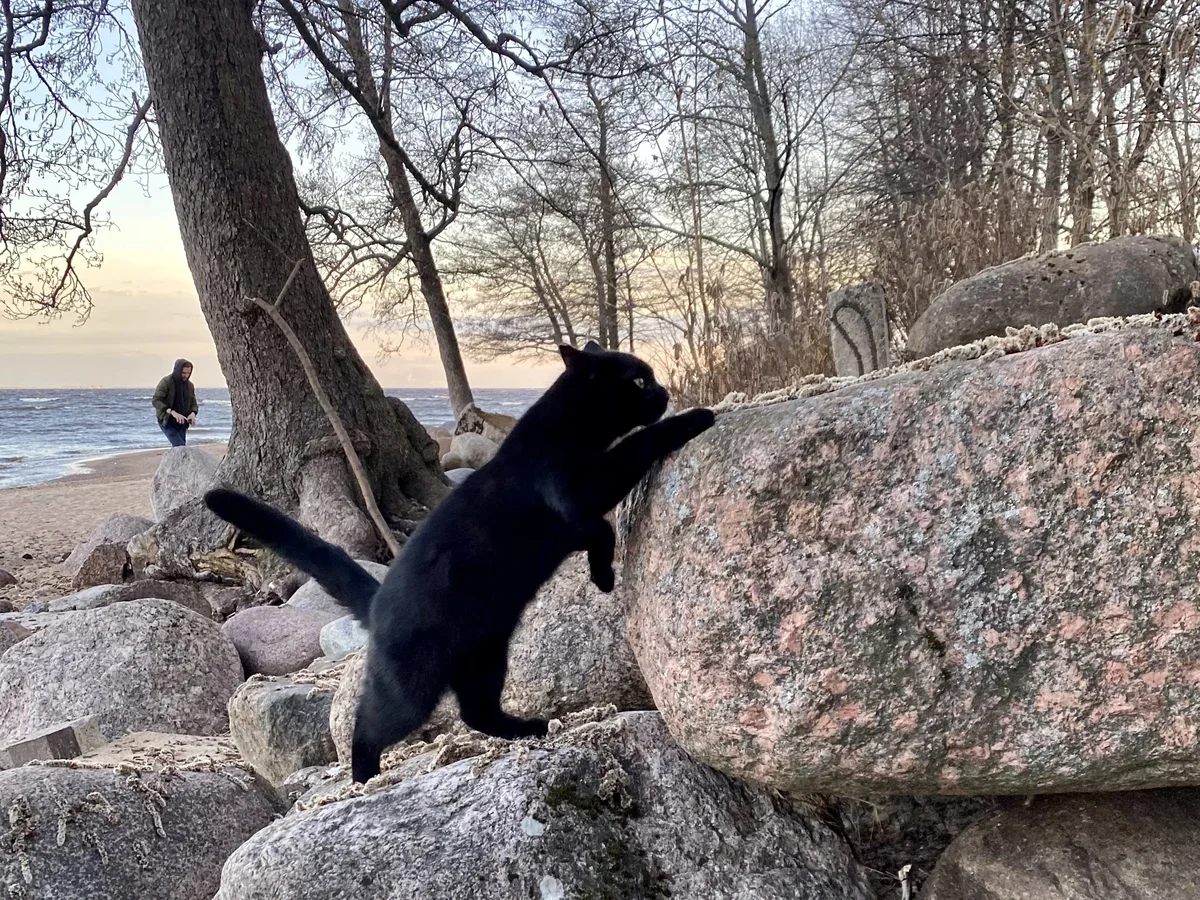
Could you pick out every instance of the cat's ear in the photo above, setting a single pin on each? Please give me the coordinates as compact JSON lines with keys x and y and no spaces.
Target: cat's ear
{"x":572,"y":357}
{"x":592,"y":347}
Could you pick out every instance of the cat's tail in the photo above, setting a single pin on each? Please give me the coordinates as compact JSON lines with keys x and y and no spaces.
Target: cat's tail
{"x":333,"y":568}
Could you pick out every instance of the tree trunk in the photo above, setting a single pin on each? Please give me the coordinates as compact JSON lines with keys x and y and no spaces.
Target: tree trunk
{"x":609,"y":338}
{"x":419,"y":246}
{"x":1007,"y":224}
{"x":777,"y":275}
{"x":1055,"y":140}
{"x":1087,"y":129}
{"x":238,"y":210}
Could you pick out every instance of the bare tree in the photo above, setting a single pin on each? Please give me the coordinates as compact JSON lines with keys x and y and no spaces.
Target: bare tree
{"x":569,"y":167}
{"x":238,"y":212}
{"x":688,"y":179}
{"x":67,"y":137}
{"x":372,"y":57}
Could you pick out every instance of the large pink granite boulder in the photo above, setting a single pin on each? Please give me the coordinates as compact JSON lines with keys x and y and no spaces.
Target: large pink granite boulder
{"x":980,"y":579}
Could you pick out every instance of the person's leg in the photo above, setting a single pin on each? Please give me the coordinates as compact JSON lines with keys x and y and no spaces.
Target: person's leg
{"x":174,"y":433}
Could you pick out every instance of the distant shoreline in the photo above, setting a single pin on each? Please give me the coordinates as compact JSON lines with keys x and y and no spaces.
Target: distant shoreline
{"x":48,"y":435}
{"x":127,"y":465}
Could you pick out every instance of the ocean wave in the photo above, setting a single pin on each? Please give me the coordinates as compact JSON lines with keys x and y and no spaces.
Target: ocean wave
{"x":13,"y":459}
{"x":38,"y":400}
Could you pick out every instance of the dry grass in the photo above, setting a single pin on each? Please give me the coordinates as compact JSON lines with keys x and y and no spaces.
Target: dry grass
{"x":748,"y":358}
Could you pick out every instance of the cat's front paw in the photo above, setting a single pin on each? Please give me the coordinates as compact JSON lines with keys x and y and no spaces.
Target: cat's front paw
{"x":700,"y":419}
{"x":604,"y":578}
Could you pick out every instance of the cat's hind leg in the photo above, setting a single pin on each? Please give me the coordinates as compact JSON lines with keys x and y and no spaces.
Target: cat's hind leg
{"x":397,"y":699}
{"x":601,"y":549}
{"x":478,"y":680}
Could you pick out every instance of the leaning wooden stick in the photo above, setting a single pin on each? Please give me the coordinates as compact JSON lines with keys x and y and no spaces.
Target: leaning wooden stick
{"x":356,"y":466}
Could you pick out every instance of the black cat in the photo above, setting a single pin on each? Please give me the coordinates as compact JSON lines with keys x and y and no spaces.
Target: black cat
{"x":444,"y":615}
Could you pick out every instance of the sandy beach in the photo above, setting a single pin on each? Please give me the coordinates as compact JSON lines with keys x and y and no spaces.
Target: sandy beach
{"x":46,"y":521}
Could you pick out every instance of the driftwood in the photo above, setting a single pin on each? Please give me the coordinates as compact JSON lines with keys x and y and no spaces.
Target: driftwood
{"x":356,"y":466}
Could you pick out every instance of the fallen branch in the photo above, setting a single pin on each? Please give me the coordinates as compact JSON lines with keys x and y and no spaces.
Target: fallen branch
{"x":356,"y":466}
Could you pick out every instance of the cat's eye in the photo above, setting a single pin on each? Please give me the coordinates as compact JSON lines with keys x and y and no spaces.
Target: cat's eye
{"x":640,"y":383}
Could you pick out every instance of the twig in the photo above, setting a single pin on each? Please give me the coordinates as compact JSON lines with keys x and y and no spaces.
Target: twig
{"x":87,"y":228}
{"x":356,"y":466}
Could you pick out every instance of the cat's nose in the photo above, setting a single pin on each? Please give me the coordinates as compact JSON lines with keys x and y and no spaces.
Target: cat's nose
{"x":661,"y":399}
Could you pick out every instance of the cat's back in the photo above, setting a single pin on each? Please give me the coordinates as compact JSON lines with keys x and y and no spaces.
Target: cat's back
{"x":478,"y":557}
{"x":495,"y":517}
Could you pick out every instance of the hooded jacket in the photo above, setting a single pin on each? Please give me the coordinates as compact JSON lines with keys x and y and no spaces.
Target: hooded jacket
{"x":175,"y":393}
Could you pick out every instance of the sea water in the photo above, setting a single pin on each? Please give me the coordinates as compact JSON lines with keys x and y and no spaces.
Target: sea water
{"x":47,"y":433}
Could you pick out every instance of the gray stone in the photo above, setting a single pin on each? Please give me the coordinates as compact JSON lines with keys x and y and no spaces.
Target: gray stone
{"x":342,"y":637}
{"x":1140,"y":845}
{"x":1121,"y":277}
{"x":275,"y":640}
{"x":858,"y":329}
{"x":184,"y":474}
{"x":614,"y":809}
{"x":64,"y":741}
{"x":102,"y":834}
{"x":185,"y":593}
{"x":469,"y":451}
{"x":281,"y":726}
{"x":458,"y":476}
{"x":118,"y":528}
{"x":983,"y":578}
{"x":493,"y":426}
{"x":313,"y":598}
{"x":443,"y":436}
{"x":7,"y":579}
{"x":12,"y":633}
{"x":303,"y":781}
{"x":24,"y":623}
{"x":106,"y":564}
{"x":140,"y":665}
{"x":571,"y":652}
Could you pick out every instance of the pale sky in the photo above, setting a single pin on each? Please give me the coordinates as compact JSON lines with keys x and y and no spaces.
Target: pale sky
{"x":146,"y":315}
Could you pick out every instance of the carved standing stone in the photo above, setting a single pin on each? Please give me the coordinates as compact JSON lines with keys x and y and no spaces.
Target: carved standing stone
{"x":858,"y":329}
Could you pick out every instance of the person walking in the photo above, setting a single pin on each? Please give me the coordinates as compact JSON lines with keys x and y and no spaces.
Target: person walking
{"x":175,"y":403}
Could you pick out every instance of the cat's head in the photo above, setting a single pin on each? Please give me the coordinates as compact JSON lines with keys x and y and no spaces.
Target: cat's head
{"x":620,"y":387}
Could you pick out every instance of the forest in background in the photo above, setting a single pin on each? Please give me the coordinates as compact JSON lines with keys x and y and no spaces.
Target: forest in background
{"x":688,"y":181}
